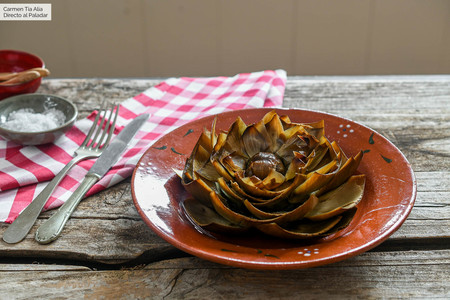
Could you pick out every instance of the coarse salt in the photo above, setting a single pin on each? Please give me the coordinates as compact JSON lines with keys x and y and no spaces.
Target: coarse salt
{"x":27,"y":120}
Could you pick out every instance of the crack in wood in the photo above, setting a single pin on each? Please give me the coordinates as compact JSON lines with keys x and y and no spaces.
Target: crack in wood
{"x":173,"y":283}
{"x":427,"y":152}
{"x":392,"y":246}
{"x":414,"y":244}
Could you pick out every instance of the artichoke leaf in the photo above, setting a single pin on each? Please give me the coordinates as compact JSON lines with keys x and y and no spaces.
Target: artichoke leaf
{"x":269,"y":116}
{"x":208,"y":171}
{"x":328,"y":168}
{"x":284,"y":178}
{"x":261,"y":128}
{"x":346,"y":219}
{"x":292,"y":132}
{"x":338,"y":149}
{"x":329,"y":157}
{"x":254,"y":142}
{"x":260,"y":214}
{"x":229,"y":192}
{"x":233,"y":142}
{"x":218,"y":158}
{"x":270,"y":202}
{"x":316,"y":129}
{"x":197,"y":160}
{"x":236,"y":188}
{"x":186,"y":177}
{"x":283,"y":216}
{"x":221,"y":140}
{"x":250,"y":186}
{"x":220,"y":169}
{"x":232,"y":216}
{"x":213,"y":138}
{"x":201,"y":157}
{"x":200,"y":190}
{"x":337,"y":201}
{"x":178,"y":172}
{"x":232,"y":162}
{"x":296,"y":165}
{"x":332,"y":151}
{"x":275,"y":131}
{"x":343,"y":173}
{"x":295,"y":144}
{"x":301,"y":230}
{"x":312,"y":183}
{"x":204,"y":140}
{"x":208,"y":219}
{"x":188,"y":172}
{"x":283,"y":197}
{"x":295,"y":214}
{"x":273,"y":180}
{"x":315,"y":157}
{"x":286,"y":121}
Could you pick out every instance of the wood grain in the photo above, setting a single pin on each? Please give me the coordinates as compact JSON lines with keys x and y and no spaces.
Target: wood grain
{"x":106,"y":233}
{"x":372,"y":275}
{"x":111,"y":220}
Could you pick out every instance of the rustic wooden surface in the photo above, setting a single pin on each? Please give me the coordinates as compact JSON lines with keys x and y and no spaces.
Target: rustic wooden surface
{"x":107,"y":252}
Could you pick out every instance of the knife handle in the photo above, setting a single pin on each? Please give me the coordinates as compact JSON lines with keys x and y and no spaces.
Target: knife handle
{"x":52,"y":228}
{"x":19,"y":229}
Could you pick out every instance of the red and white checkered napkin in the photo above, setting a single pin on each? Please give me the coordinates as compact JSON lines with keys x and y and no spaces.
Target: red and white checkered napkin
{"x":174,"y":102}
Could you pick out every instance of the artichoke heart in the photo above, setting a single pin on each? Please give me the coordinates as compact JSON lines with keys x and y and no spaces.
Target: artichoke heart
{"x":282,"y":178}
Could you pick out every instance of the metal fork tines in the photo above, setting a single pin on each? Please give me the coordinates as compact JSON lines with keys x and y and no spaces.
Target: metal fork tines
{"x":96,"y":140}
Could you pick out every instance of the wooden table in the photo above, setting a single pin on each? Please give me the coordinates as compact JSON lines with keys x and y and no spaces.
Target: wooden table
{"x":106,"y":251}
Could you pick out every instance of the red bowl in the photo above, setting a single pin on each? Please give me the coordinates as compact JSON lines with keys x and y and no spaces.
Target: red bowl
{"x":17,"y":61}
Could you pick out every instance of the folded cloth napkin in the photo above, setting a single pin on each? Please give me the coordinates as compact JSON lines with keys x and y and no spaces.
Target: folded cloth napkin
{"x":24,"y":170}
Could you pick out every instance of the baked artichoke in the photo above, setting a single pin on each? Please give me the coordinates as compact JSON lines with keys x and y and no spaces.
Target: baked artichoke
{"x":283,"y":178}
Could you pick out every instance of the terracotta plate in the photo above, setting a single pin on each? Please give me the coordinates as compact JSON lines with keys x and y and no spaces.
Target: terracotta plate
{"x":388,"y":198}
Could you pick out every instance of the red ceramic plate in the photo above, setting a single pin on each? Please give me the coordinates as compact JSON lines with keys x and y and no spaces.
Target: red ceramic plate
{"x":388,"y":197}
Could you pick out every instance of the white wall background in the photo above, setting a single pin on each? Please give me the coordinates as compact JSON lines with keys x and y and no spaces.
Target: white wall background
{"x":156,"y":38}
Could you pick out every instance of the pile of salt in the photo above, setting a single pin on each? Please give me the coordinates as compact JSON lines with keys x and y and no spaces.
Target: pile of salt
{"x":26,"y":120}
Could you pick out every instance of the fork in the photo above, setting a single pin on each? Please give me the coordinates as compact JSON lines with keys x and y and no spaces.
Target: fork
{"x":90,"y":148}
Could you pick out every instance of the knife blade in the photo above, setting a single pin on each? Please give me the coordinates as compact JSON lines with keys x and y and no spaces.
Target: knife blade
{"x":112,"y":154}
{"x":52,"y":228}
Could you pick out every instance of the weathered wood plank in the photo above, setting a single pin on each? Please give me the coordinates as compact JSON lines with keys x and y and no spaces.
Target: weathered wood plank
{"x":382,"y":95}
{"x":119,"y":240}
{"x":88,"y":94}
{"x":110,"y":241}
{"x":433,"y":189}
{"x":38,"y":267}
{"x":412,"y":112}
{"x":107,"y":228}
{"x":368,"y":276}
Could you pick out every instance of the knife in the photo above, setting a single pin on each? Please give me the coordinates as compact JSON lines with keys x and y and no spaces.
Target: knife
{"x":52,"y":228}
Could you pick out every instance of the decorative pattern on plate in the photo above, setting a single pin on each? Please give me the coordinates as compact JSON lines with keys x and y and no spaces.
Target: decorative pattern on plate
{"x":158,"y":193}
{"x":372,"y":142}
